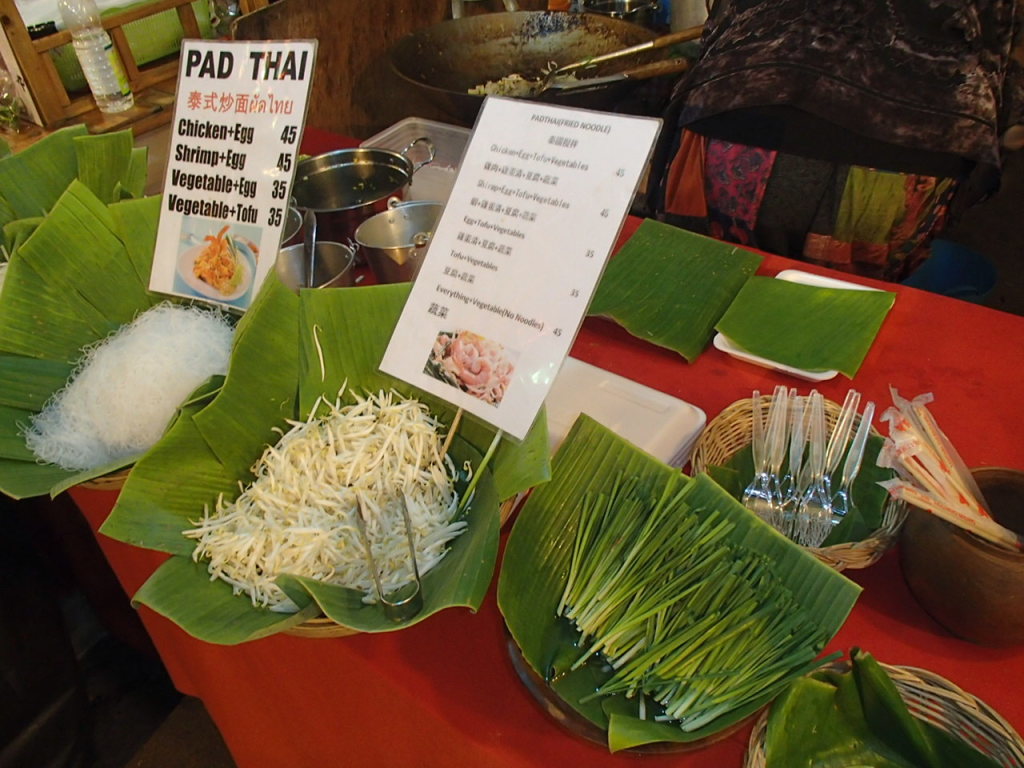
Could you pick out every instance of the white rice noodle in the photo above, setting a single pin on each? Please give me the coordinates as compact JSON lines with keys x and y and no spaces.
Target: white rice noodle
{"x":126,"y":388}
{"x":298,"y":516}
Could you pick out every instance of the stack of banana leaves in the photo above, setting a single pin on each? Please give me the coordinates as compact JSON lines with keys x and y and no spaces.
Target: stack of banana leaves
{"x":655,"y":605}
{"x":78,"y":239}
{"x":291,"y":351}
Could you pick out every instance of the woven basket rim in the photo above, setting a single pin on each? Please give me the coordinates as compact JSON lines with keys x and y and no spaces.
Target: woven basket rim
{"x":927,"y":693}
{"x":852,"y":554}
{"x":112,"y":481}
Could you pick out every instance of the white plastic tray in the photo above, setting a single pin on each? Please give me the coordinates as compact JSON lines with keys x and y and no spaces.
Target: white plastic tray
{"x":723,"y":342}
{"x":664,"y":426}
{"x":434,"y":181}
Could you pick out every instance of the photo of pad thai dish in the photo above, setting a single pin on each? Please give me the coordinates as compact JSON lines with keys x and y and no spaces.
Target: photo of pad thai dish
{"x":219,"y":265}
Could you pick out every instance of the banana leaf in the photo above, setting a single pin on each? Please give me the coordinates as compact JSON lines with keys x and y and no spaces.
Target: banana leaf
{"x":17,"y":232}
{"x":31,"y":180}
{"x":517,"y":465}
{"x":669,"y":286}
{"x":805,"y":326}
{"x":103,"y":162}
{"x":536,"y":563}
{"x":835,"y":719}
{"x":70,"y":283}
{"x":135,"y":222}
{"x":275,"y":375}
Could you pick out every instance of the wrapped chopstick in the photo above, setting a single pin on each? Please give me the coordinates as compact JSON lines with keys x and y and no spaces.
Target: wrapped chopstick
{"x":983,"y":527}
{"x":931,"y":474}
{"x":916,"y":411}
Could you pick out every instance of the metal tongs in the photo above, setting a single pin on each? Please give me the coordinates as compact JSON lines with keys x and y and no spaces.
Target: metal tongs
{"x":405,"y":607}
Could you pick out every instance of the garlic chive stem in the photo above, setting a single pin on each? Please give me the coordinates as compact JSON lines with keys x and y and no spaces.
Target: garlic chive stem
{"x":684,"y":616}
{"x":468,"y":496}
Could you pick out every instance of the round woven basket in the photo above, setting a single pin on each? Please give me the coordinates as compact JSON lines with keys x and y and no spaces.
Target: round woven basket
{"x":729,"y":432}
{"x":109,"y":482}
{"x":939,"y":702}
{"x":325,"y":627}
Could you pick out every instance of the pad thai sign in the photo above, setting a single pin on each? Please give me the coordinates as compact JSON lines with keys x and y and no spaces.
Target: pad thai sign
{"x":238,"y":120}
{"x":535,"y":211}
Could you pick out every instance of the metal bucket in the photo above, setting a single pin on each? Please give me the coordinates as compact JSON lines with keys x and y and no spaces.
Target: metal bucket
{"x":395,"y":242}
{"x":291,"y":233}
{"x":347,"y":186}
{"x":334,"y":266}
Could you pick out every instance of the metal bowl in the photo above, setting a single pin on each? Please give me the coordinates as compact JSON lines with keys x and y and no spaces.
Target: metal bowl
{"x":395,"y":242}
{"x":334,"y":266}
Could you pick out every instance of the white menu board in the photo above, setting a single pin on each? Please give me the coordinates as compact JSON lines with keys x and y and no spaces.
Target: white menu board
{"x":238,"y":119}
{"x":535,"y":211}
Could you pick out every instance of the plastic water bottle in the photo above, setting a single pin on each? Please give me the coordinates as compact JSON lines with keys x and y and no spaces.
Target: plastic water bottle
{"x":96,"y":53}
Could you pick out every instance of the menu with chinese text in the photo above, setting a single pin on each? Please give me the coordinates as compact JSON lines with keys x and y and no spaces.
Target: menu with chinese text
{"x":238,"y":120}
{"x":535,"y":211}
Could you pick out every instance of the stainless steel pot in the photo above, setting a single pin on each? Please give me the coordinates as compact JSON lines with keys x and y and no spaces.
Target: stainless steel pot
{"x":334,"y":266}
{"x":291,"y":233}
{"x":347,"y":186}
{"x":395,"y":242}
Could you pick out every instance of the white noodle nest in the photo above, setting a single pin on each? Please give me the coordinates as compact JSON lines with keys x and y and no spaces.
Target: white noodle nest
{"x":298,"y":516}
{"x":126,"y":388}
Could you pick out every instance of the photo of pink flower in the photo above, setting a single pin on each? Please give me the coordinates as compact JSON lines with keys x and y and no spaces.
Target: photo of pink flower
{"x":472,"y":363}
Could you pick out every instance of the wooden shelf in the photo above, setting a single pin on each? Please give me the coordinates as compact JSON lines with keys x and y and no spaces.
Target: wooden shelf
{"x":154,"y":107}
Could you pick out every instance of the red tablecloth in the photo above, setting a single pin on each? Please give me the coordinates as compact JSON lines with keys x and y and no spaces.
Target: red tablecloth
{"x":444,"y":693}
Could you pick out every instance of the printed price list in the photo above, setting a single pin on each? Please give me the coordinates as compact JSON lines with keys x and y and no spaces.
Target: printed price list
{"x":535,"y":210}
{"x":234,"y":144}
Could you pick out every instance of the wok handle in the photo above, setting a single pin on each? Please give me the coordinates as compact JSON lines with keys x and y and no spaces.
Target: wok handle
{"x":682,"y":36}
{"x":657,"y":69}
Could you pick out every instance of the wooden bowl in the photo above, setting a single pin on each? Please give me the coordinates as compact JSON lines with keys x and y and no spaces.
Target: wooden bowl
{"x":971,"y":587}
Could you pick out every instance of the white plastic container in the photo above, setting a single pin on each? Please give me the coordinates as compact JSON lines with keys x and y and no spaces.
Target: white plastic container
{"x":96,"y":53}
{"x":664,"y":426}
{"x":434,"y":181}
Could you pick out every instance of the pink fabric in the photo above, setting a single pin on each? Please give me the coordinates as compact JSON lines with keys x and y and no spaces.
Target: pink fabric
{"x":735,"y":180}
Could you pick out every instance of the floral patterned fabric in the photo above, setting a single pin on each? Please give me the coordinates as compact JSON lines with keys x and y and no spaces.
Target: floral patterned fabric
{"x":860,"y":220}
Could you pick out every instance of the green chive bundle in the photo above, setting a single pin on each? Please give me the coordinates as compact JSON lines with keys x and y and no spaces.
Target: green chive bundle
{"x":692,"y":623}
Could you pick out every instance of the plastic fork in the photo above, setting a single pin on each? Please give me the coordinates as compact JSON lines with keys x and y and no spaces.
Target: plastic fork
{"x":842,"y":500}
{"x":840,"y":437}
{"x":815,"y":513}
{"x":778,"y":422}
{"x":790,"y":487}
{"x":757,"y":496}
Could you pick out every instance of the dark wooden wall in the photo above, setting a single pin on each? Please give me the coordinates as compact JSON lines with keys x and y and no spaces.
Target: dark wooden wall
{"x":354,"y":90}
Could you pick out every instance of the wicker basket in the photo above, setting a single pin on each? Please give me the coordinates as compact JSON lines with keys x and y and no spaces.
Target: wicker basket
{"x":112,"y":481}
{"x":729,"y":432}
{"x":936,"y":700}
{"x":324,"y":627}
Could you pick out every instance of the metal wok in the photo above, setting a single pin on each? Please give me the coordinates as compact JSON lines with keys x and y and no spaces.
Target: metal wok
{"x":445,"y":60}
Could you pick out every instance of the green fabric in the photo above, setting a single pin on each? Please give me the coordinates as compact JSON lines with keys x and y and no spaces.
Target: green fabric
{"x":872,"y":203}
